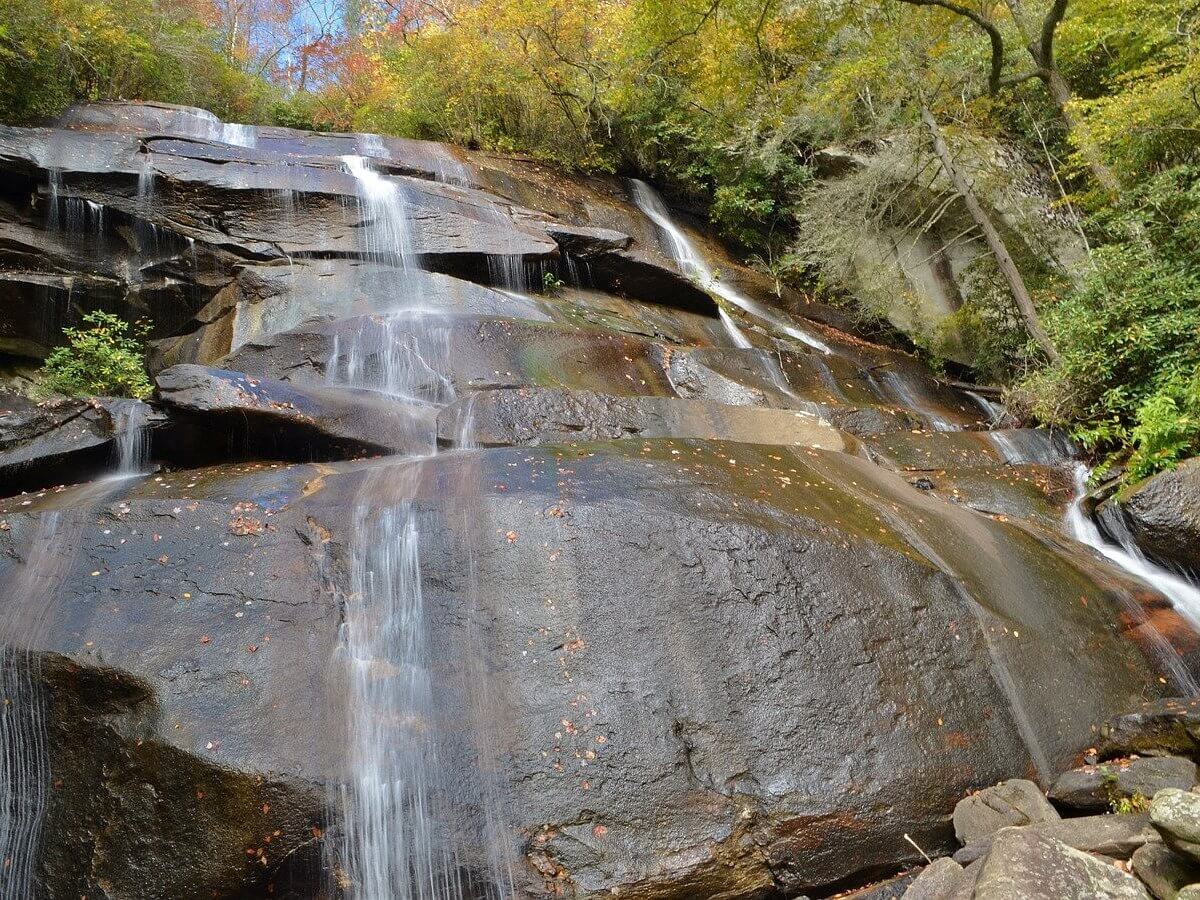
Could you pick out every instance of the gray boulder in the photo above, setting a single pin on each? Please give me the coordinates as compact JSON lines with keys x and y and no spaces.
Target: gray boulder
{"x":1014,"y":802}
{"x":1162,"y":515}
{"x":1164,"y":727}
{"x":1116,"y":836}
{"x":1025,"y":865}
{"x":1095,"y":788}
{"x":1176,"y":815}
{"x":1164,"y":872}
{"x":937,"y":881}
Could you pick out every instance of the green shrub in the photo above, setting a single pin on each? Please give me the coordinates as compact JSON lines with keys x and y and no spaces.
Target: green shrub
{"x":107,"y":358}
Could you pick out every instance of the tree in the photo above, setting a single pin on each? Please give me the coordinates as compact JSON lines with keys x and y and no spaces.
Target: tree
{"x":1038,"y":38}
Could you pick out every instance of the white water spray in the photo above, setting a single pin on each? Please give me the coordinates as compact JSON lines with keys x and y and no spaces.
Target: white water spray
{"x":692,"y":264}
{"x":1183,"y":594}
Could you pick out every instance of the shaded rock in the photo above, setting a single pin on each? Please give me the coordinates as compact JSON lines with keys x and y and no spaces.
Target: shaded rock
{"x":1095,"y":788}
{"x":1166,"y":727}
{"x":57,"y":441}
{"x":179,"y":709}
{"x":1115,"y":836}
{"x":1176,"y":815}
{"x":278,"y":420}
{"x":890,"y":889}
{"x":544,"y":416}
{"x":1163,"y":871}
{"x":1161,"y":515}
{"x":1026,"y":865}
{"x":937,"y":881}
{"x":1014,"y":802}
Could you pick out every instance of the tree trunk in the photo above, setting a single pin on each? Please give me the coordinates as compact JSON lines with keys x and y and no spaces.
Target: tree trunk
{"x":1008,"y":268}
{"x":1041,"y":52}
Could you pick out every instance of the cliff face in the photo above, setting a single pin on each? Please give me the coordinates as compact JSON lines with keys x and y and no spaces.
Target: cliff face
{"x":508,"y":543}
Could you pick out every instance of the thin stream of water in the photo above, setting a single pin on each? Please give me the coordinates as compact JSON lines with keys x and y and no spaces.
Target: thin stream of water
{"x":692,"y":264}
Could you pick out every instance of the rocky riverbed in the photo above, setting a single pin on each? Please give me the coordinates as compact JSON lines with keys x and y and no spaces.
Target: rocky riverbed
{"x":471,"y":540}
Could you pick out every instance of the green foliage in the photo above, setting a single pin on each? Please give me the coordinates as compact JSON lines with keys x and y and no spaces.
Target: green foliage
{"x":552,"y":284}
{"x":57,"y":52}
{"x":107,"y":358}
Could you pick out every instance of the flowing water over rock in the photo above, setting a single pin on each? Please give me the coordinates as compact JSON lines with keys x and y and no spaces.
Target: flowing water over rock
{"x":1125,"y":553}
{"x":448,"y":586}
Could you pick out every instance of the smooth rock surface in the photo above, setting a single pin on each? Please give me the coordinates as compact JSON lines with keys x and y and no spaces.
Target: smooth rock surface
{"x":1163,"y":871}
{"x":1162,"y":515}
{"x":937,"y":881}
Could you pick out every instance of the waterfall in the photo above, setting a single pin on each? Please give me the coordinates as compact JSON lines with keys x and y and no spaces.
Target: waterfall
{"x":1183,"y":594}
{"x":902,"y":391}
{"x":132,"y":438}
{"x":994,"y":411}
{"x":692,"y":264}
{"x":400,"y":838}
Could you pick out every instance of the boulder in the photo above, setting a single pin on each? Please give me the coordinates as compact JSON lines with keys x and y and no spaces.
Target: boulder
{"x":1114,"y":836}
{"x":1191,"y":892}
{"x":1025,"y":865}
{"x":1013,"y":802}
{"x":168,"y":624}
{"x":266,"y":419}
{"x":1176,"y":815}
{"x":1096,"y":788}
{"x":1164,"y":872}
{"x":1165,"y":727}
{"x":1161,"y":515}
{"x":937,"y":881}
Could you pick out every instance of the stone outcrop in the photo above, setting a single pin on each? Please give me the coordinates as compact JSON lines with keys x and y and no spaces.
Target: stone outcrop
{"x":1161,"y":516}
{"x":700,"y":619}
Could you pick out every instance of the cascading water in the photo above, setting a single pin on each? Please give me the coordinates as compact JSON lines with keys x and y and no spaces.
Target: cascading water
{"x":692,"y":264}
{"x":400,"y":838}
{"x":132,"y":438}
{"x":1183,"y":594}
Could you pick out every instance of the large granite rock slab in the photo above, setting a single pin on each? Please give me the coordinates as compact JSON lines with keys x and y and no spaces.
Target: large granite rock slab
{"x":1162,"y":515}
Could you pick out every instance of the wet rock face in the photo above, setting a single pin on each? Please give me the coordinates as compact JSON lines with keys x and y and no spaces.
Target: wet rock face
{"x":1162,"y":515}
{"x":701,"y":610}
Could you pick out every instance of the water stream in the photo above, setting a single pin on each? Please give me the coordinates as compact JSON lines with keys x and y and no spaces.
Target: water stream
{"x":1183,"y":594}
{"x":402,"y":840}
{"x":692,"y":264}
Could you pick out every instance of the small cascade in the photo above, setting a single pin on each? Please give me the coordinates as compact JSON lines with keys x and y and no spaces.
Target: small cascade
{"x":24,"y":753}
{"x":1183,"y":594}
{"x":1030,"y":446}
{"x":736,"y":334}
{"x":692,"y":264}
{"x":899,"y":388}
{"x":993,"y":411}
{"x":132,"y":438}
{"x":387,"y":231}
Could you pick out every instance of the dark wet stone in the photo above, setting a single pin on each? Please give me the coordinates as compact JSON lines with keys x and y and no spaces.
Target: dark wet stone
{"x":1025,"y":865}
{"x":1014,"y":802}
{"x":171,"y":636}
{"x":1162,"y":515}
{"x":262,"y":418}
{"x":1095,"y":788}
{"x":1166,"y":727}
{"x":56,"y":441}
{"x":1163,"y":871}
{"x":1115,"y":836}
